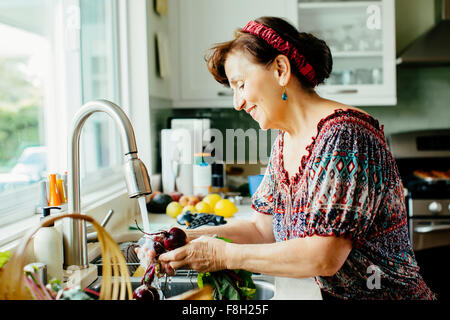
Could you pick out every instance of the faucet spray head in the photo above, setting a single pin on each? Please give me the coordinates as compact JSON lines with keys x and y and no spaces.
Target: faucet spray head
{"x":136,"y":177}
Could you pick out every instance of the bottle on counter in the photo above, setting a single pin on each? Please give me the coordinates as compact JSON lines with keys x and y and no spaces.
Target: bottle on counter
{"x":53,"y":195}
{"x":48,"y":248}
{"x":60,"y":189}
{"x":202,"y":174}
{"x":218,"y":177}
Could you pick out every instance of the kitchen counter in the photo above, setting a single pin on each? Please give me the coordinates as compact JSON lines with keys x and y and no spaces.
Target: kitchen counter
{"x":285,"y":288}
{"x":162,"y":221}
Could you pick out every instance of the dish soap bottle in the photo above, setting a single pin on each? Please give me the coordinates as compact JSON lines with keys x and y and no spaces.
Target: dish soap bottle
{"x":48,"y":247}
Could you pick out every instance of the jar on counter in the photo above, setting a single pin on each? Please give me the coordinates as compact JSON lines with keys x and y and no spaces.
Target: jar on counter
{"x":202,"y":174}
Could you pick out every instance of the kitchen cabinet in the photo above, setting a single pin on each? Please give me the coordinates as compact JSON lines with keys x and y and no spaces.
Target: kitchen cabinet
{"x":361,"y":37}
{"x":196,"y":25}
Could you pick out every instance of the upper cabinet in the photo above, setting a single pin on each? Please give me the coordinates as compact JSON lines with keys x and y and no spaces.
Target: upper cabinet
{"x":361,"y":37}
{"x":196,"y":25}
{"x":360,"y":34}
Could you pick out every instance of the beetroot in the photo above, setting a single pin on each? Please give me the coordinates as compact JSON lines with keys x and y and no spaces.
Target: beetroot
{"x":159,"y":248}
{"x":144,"y":292}
{"x":175,"y":238}
{"x":162,"y":241}
{"x":147,"y":279}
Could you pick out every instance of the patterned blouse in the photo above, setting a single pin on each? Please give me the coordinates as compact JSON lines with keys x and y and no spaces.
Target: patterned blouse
{"x":348,"y":185}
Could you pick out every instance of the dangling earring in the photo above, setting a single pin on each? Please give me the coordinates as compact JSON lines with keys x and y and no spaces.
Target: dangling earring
{"x":284,"y":95}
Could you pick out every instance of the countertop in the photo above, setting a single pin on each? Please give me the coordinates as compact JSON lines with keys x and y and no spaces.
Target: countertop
{"x":285,"y":288}
{"x":158,"y":221}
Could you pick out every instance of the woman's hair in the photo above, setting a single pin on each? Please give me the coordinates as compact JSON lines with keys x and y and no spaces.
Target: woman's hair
{"x":314,"y":50}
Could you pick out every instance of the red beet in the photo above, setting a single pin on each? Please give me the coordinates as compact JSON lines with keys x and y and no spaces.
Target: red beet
{"x":147,"y":279}
{"x":145,"y":293}
{"x":159,"y":248}
{"x":175,"y":238}
{"x":170,"y":240}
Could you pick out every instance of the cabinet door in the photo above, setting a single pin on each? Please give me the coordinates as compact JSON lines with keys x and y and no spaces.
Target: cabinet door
{"x":361,"y":37}
{"x":201,"y":24}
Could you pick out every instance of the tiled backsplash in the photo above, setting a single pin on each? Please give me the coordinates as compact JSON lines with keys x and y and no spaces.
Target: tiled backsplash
{"x":221,"y":119}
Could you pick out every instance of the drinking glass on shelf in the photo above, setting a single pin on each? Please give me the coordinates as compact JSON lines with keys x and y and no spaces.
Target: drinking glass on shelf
{"x":348,"y":77}
{"x":349,"y":39}
{"x":377,"y":76}
{"x":363,"y":76}
{"x":334,"y":79}
{"x":330,"y":37}
{"x":374,"y":38}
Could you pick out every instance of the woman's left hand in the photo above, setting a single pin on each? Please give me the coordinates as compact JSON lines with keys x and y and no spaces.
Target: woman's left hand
{"x":202,"y":254}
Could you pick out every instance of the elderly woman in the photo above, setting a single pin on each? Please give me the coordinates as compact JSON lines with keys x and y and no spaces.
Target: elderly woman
{"x":329,"y":207}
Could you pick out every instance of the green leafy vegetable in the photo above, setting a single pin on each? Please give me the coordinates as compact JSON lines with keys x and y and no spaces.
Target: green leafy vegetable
{"x":4,"y":257}
{"x":229,"y":284}
{"x":224,"y":239}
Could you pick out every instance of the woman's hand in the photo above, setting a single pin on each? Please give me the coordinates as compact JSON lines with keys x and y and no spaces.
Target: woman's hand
{"x":201,"y":254}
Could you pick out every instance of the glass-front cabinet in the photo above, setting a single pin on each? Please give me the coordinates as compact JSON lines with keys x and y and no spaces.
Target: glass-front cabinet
{"x":361,"y":37}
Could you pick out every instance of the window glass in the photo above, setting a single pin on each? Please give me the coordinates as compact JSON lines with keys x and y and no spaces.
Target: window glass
{"x":24,"y":73}
{"x":55,"y":54}
{"x":100,"y":142}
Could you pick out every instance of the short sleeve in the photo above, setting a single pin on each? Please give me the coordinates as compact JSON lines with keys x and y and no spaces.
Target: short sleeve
{"x":262,"y":199}
{"x":345,"y":181}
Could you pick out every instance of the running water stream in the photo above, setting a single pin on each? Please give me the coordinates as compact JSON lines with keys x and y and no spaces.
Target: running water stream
{"x":149,"y":243}
{"x":144,"y":214}
{"x":145,"y":222}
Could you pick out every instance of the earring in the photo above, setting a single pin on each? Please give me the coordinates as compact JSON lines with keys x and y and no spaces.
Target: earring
{"x":284,"y":95}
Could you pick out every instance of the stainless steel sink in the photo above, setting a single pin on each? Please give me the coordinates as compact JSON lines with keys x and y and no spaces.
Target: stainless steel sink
{"x":182,"y":281}
{"x":178,"y":284}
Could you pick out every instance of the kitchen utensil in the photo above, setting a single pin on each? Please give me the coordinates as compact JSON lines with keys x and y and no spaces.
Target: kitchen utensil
{"x":199,"y":219}
{"x":254,"y":182}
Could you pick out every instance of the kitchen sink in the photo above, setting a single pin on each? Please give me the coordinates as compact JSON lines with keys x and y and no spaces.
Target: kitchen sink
{"x":182,"y":281}
{"x":175,"y":285}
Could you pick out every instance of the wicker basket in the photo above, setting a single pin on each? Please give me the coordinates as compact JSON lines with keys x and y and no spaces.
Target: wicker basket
{"x":115,"y":279}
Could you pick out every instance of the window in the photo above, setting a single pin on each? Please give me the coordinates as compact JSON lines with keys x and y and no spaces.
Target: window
{"x":99,"y":57}
{"x":25,"y":49}
{"x":55,"y":55}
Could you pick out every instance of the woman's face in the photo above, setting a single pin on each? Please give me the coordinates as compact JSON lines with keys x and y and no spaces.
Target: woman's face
{"x":255,"y":87}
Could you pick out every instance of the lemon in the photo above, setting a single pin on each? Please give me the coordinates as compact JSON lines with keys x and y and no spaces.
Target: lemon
{"x":203,"y":207}
{"x":173,"y":209}
{"x":225,"y":208}
{"x":212,"y":199}
{"x":189,"y":208}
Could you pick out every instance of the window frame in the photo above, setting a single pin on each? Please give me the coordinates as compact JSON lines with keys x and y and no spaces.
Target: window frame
{"x":67,"y":74}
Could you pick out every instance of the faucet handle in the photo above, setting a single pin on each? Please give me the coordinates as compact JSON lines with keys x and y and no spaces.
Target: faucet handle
{"x":107,"y":218}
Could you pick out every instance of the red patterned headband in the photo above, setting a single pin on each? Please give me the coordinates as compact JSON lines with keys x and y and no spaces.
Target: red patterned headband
{"x":272,"y":38}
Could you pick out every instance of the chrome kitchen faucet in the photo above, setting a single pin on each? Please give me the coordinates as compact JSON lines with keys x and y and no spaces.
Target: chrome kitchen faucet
{"x":136,"y":176}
